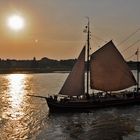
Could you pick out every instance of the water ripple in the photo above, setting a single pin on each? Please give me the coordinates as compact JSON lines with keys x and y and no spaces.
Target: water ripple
{"x":25,"y":118}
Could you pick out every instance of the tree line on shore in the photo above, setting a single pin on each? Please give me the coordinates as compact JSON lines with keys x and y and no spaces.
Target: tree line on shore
{"x":43,"y":65}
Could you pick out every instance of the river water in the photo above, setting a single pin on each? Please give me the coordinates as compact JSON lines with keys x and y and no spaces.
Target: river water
{"x":27,"y":118}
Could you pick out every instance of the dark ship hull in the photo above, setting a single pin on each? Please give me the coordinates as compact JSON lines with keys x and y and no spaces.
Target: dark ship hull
{"x":88,"y":105}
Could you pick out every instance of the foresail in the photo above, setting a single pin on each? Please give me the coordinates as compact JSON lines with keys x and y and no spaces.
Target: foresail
{"x":109,"y":71}
{"x":74,"y":84}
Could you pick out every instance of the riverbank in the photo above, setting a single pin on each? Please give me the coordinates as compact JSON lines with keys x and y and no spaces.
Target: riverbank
{"x":51,"y":69}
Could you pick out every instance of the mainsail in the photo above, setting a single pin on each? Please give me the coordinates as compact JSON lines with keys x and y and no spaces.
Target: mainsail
{"x":74,"y":84}
{"x":109,"y":71}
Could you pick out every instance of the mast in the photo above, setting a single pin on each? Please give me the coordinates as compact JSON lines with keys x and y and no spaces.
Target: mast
{"x":88,"y":45}
{"x":137,"y":69}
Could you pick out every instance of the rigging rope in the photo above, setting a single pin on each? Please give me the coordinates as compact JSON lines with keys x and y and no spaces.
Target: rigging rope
{"x":130,"y":46}
{"x":131,"y":56}
{"x":129,"y":36}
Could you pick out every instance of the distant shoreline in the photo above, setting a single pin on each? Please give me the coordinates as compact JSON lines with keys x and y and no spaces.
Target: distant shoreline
{"x":65,"y":66}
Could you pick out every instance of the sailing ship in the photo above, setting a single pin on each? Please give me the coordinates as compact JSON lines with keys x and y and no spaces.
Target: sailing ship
{"x":109,"y":77}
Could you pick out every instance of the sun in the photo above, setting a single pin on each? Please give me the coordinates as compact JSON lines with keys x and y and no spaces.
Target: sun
{"x":15,"y":22}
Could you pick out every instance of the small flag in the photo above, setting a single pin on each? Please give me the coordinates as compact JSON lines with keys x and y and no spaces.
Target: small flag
{"x":136,"y":53}
{"x":85,"y":30}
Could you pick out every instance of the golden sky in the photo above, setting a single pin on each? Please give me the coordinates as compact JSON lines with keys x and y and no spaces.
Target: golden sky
{"x":54,"y":28}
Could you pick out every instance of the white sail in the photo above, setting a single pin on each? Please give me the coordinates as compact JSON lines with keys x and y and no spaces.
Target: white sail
{"x":109,"y":71}
{"x":74,"y":84}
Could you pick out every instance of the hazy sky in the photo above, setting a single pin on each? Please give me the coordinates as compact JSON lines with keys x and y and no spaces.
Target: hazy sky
{"x":54,"y":28}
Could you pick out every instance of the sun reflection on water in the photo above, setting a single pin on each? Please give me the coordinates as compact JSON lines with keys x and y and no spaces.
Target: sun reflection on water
{"x":16,"y":89}
{"x":15,"y":93}
{"x":20,"y":117}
